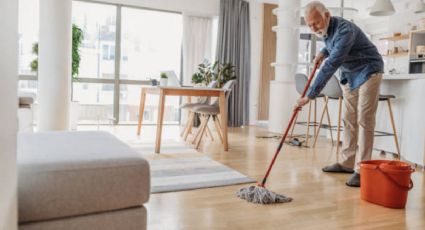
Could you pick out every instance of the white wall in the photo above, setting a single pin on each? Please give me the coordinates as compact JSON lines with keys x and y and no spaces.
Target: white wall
{"x":8,"y":112}
{"x":193,"y":7}
{"x":256,"y":23}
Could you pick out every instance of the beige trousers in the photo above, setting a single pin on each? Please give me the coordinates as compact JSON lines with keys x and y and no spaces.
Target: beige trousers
{"x":359,"y":120}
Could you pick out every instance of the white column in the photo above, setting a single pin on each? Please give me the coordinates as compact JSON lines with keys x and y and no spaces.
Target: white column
{"x":54,"y":65}
{"x":8,"y":112}
{"x":283,"y":94}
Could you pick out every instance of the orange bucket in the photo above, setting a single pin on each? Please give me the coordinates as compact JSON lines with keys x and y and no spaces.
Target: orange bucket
{"x":385,"y":182}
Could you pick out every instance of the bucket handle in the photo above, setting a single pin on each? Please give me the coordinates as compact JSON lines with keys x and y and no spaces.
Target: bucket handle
{"x":402,"y":187}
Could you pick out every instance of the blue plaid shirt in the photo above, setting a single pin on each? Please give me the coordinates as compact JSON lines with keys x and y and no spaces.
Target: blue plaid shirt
{"x":347,"y":48}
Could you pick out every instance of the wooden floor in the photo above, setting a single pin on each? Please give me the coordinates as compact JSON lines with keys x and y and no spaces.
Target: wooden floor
{"x":321,"y":200}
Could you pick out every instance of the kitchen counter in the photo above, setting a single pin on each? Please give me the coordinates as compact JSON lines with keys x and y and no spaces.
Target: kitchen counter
{"x":403,"y":76}
{"x":409,"y":116}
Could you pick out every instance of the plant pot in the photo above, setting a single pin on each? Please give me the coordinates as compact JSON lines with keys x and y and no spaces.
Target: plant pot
{"x":163,"y":82}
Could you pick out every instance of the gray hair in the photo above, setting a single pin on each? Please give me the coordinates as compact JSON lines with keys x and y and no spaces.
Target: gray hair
{"x":317,"y":6}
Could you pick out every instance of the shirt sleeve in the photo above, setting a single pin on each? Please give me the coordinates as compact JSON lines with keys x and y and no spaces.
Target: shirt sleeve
{"x":344,"y":40}
{"x":324,"y":51}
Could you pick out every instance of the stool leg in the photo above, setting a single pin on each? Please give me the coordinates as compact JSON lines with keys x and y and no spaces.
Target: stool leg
{"x":315,"y":115}
{"x":329,"y":121}
{"x":307,"y":135}
{"x":338,"y":136}
{"x":316,"y":134}
{"x":394,"y":129}
{"x":293,"y":126}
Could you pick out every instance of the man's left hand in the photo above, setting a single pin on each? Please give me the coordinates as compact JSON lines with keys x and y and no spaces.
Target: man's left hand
{"x":301,"y":102}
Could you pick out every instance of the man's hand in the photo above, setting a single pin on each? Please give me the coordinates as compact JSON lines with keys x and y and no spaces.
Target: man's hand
{"x":301,"y":102}
{"x":319,"y":59}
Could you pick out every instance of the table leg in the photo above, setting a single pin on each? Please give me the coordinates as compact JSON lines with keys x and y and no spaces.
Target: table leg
{"x":160,"y":120}
{"x":223,"y":113}
{"x":141,"y":110}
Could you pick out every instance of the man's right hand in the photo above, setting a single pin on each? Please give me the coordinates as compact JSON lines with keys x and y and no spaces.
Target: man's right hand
{"x":319,"y":59}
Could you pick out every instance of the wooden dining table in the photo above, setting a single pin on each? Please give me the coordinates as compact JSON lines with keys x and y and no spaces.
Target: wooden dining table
{"x":181,"y":91}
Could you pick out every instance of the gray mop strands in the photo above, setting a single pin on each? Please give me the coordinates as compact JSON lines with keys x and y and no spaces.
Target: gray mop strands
{"x":260,"y":195}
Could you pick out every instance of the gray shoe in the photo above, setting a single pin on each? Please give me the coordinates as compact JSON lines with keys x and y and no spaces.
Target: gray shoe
{"x":337,"y":168}
{"x":354,"y":180}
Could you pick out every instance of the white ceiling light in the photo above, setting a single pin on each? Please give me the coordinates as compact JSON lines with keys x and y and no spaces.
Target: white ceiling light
{"x":420,"y":7}
{"x":382,"y":8}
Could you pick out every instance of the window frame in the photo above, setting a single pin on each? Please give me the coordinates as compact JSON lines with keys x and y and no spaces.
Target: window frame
{"x":116,"y":81}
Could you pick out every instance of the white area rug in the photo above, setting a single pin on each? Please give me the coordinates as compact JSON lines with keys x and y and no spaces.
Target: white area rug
{"x":178,"y":174}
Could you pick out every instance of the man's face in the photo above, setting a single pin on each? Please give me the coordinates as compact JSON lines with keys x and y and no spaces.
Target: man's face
{"x":317,"y":23}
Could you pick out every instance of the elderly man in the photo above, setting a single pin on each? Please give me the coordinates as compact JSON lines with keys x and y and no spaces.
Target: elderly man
{"x":347,"y":48}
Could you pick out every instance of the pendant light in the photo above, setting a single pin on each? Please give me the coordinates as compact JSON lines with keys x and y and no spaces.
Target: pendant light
{"x":420,"y":7}
{"x":382,"y":8}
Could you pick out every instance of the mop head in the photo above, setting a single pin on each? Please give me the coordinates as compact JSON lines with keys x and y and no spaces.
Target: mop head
{"x":260,"y":195}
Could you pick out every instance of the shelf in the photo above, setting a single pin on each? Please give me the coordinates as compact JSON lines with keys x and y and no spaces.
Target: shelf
{"x":396,"y":38}
{"x":401,"y":54}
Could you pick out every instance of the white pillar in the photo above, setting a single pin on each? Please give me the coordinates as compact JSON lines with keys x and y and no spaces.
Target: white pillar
{"x":54,"y":65}
{"x":8,"y":112}
{"x":283,"y":94}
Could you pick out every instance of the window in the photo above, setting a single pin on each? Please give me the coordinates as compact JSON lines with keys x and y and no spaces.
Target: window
{"x":152,"y":41}
{"x":98,"y":22}
{"x":28,"y":34}
{"x":95,"y":102}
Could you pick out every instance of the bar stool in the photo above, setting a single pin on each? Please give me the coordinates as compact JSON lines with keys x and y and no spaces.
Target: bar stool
{"x":388,"y":98}
{"x":300,"y":81}
{"x":333,"y":91}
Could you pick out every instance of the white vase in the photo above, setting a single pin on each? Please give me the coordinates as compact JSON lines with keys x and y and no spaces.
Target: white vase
{"x":163,"y":81}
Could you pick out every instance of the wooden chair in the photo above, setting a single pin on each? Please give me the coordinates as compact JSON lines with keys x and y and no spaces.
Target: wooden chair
{"x":191,"y":116}
{"x":207,"y":112}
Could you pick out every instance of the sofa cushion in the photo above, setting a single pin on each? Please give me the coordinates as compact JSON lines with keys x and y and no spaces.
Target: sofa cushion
{"x":128,"y":219}
{"x":63,"y":174}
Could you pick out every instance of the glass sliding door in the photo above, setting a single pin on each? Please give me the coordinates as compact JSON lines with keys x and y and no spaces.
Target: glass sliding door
{"x":94,"y":89}
{"x":123,"y":47}
{"x":151,"y":42}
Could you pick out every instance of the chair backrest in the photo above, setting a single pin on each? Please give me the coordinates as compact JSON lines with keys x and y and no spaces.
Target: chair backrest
{"x":300,"y":82}
{"x":228,"y":87}
{"x":206,"y":100}
{"x":332,"y":88}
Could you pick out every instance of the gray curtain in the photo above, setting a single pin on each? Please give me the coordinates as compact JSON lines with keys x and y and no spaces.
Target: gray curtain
{"x":234,"y":44}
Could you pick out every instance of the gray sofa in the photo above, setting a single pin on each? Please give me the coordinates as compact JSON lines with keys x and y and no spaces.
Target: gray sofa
{"x":80,"y":180}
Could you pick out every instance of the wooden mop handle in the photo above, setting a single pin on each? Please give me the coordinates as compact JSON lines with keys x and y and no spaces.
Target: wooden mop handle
{"x":289,"y":126}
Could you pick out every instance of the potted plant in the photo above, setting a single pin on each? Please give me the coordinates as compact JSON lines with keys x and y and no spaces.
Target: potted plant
{"x":216,"y":71}
{"x":163,"y":79}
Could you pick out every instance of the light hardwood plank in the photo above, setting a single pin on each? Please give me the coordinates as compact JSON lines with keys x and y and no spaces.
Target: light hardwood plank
{"x":321,"y":200}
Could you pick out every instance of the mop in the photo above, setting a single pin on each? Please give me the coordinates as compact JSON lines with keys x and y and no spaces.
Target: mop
{"x":259,"y":194}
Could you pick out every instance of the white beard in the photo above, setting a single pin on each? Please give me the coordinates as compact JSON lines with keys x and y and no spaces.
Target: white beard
{"x":320,"y":34}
